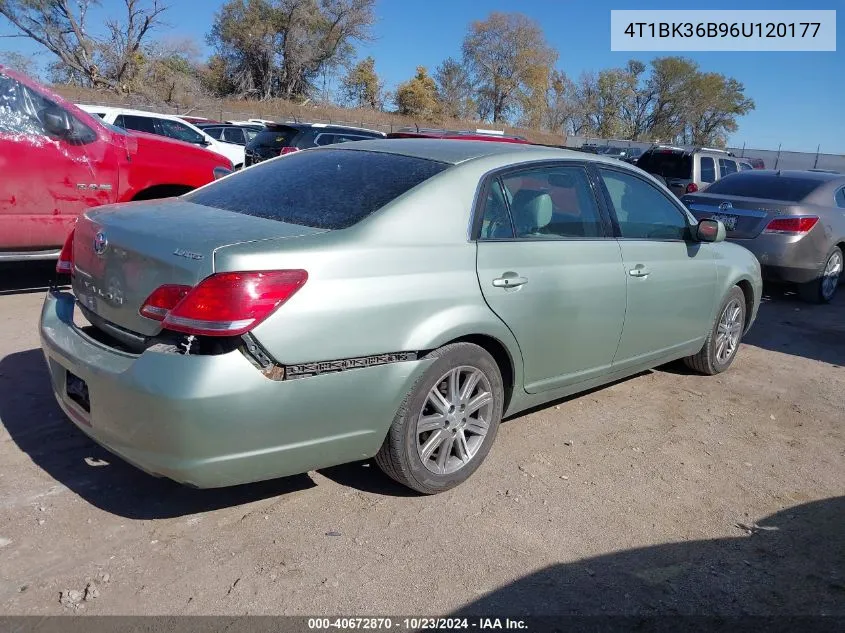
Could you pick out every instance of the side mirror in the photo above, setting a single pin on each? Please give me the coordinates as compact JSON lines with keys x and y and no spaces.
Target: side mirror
{"x":205,"y":143}
{"x":56,"y":121}
{"x":711,"y":231}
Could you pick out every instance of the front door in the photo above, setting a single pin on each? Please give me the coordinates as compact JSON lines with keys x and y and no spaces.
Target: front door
{"x":550,"y":269}
{"x":671,"y":278}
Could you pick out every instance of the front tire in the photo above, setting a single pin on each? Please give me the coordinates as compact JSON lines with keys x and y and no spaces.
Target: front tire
{"x":447,"y":422}
{"x":823,"y":289}
{"x":722,"y":342}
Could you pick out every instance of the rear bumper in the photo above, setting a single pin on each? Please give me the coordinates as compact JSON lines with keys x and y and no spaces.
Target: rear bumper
{"x":788,"y":258}
{"x":211,"y":421}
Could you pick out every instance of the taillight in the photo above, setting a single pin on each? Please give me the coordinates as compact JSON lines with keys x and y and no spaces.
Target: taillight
{"x":288,"y":150}
{"x":792,"y":225}
{"x":692,"y":188}
{"x":230,"y":304}
{"x":163,"y":300}
{"x":65,"y":264}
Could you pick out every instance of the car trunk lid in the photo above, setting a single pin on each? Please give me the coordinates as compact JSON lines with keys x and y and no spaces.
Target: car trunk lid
{"x":744,"y":218}
{"x":122,"y":254}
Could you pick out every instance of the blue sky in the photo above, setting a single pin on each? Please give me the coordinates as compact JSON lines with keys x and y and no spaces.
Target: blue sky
{"x":800,"y":97}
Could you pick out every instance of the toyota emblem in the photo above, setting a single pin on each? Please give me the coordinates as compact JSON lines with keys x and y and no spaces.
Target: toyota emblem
{"x":100,"y":243}
{"x":725,"y":206}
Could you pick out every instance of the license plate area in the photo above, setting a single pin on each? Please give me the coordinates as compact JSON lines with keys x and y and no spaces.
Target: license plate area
{"x":77,"y":391}
{"x":728,"y":220}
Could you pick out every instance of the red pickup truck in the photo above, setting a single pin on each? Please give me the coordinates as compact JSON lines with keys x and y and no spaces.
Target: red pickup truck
{"x":56,"y":161}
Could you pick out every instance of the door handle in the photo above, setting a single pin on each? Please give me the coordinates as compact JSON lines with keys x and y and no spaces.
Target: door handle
{"x":639,"y":271}
{"x":509,"y":280}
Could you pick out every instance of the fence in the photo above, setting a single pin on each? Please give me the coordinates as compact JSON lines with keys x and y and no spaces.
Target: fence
{"x":773,"y":159}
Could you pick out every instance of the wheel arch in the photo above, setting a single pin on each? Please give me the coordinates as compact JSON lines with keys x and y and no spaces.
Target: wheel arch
{"x":502,"y":356}
{"x":162,"y":191}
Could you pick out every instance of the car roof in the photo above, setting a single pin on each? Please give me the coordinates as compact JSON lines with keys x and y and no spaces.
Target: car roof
{"x":459,"y":151}
{"x":130,"y":111}
{"x":805,"y":174}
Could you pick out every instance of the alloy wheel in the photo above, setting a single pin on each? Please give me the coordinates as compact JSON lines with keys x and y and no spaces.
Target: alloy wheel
{"x":454,"y":420}
{"x":729,"y":331}
{"x":830,"y":277}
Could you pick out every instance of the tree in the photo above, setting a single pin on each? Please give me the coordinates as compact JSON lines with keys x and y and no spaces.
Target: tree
{"x":61,"y":27}
{"x":21,"y":63}
{"x":362,"y":87}
{"x":281,"y":47}
{"x":714,"y":103}
{"x":561,"y":108}
{"x":454,"y":89}
{"x":510,"y":61}
{"x":417,"y":97}
{"x":669,"y":91}
{"x":246,"y":35}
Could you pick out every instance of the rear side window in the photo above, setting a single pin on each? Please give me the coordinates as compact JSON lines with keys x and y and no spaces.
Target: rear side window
{"x":214,"y":132}
{"x":233,"y":135}
{"x":708,"y":169}
{"x":727,"y":167}
{"x":137,"y":123}
{"x":326,"y":189}
{"x":275,"y":138}
{"x":553,"y":202}
{"x":667,"y":164}
{"x":840,"y":197}
{"x":748,"y":184}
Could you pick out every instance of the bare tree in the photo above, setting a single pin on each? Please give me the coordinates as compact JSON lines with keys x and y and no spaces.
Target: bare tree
{"x":61,"y":27}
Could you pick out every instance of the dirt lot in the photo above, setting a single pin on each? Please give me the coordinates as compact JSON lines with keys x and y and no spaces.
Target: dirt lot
{"x":665,"y":493}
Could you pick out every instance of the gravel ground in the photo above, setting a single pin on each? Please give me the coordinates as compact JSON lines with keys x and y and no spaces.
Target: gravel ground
{"x":664,"y":493}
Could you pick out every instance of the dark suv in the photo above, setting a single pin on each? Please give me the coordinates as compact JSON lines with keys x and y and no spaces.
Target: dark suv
{"x":283,"y":138}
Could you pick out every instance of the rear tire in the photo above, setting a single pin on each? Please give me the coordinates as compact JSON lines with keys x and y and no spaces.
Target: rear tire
{"x":823,"y":289}
{"x":721,"y":345}
{"x":448,"y":421}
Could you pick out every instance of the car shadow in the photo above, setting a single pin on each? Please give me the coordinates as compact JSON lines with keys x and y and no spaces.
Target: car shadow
{"x":788,"y":325}
{"x":26,"y":277}
{"x":40,"y":429}
{"x":789,"y":563}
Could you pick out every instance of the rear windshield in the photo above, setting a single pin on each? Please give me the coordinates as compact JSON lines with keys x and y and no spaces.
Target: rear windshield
{"x":769,"y":186}
{"x":668,"y":165}
{"x":320,"y":188}
{"x":275,"y":137}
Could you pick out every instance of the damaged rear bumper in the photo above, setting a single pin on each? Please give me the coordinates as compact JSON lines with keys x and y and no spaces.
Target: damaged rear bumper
{"x":216,"y":420}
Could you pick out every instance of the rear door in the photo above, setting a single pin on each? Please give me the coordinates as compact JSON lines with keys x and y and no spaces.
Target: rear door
{"x":47,"y":181}
{"x":550,"y":269}
{"x":671,"y":279}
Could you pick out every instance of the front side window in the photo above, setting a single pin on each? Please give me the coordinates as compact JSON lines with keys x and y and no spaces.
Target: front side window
{"x":214,"y":132}
{"x":22,"y":111}
{"x":708,"y":169}
{"x":642,"y":210}
{"x":553,"y":202}
{"x":321,"y":188}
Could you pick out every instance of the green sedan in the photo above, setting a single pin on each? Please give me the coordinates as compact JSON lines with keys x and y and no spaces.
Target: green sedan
{"x":392,"y":299}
